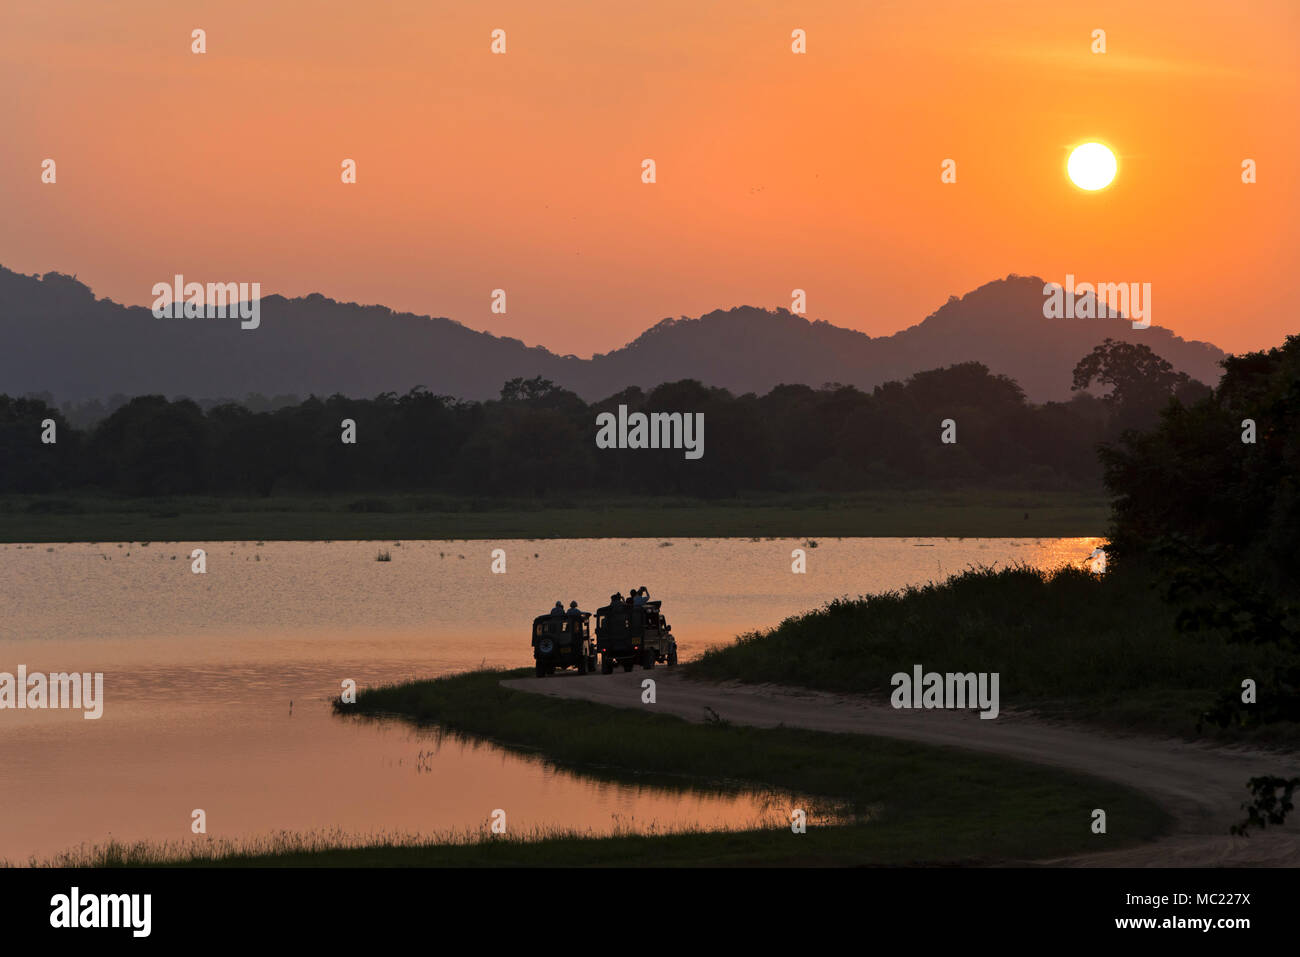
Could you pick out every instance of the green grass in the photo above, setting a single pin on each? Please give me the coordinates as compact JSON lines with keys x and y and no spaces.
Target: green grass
{"x":899,"y":803}
{"x":1067,"y":644}
{"x":361,"y":517}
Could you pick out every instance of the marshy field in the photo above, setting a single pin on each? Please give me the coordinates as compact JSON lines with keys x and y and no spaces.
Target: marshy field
{"x":967,"y":513}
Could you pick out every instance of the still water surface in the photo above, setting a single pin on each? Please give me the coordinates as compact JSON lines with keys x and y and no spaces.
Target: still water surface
{"x":200,"y":672}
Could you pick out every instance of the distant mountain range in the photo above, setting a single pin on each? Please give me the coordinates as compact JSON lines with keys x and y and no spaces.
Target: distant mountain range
{"x":56,"y":337}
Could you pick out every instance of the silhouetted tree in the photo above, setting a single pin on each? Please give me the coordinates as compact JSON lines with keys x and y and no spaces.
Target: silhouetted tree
{"x":1141,"y":382}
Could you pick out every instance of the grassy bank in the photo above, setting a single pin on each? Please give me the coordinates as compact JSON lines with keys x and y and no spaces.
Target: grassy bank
{"x":1066,"y":644}
{"x":362,"y":517}
{"x":900,"y":803}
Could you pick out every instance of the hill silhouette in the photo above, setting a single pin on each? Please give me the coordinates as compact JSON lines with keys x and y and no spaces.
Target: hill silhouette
{"x":59,"y":338}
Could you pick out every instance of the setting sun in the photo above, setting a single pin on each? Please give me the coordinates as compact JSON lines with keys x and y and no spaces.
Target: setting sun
{"x":1091,"y":166}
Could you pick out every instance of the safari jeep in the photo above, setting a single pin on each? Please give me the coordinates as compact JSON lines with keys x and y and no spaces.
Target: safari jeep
{"x":563,"y":641}
{"x":631,"y":636}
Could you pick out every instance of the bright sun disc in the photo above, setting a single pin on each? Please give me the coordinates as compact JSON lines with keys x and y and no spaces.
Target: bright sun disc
{"x":1091,"y":166}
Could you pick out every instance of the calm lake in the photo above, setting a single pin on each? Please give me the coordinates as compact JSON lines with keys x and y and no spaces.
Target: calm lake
{"x":200,"y":672}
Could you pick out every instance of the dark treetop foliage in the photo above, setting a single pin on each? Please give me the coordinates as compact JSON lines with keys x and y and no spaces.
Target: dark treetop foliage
{"x":539,"y":439}
{"x":1219,"y":518}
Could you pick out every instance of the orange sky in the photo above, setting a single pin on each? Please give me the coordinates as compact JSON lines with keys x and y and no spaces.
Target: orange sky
{"x":775,"y":170}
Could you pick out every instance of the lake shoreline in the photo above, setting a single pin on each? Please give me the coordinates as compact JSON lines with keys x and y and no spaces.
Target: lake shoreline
{"x":918,"y":804}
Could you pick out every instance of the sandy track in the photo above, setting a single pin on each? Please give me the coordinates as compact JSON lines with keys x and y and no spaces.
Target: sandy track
{"x":1202,"y":787}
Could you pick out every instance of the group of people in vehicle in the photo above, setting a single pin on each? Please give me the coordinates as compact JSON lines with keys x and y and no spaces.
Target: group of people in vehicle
{"x":635,"y":598}
{"x":628,"y":631}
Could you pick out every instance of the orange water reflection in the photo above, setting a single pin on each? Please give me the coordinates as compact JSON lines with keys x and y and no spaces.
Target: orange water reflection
{"x":200,"y":671}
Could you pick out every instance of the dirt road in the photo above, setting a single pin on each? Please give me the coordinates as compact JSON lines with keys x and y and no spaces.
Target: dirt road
{"x":1202,"y":787}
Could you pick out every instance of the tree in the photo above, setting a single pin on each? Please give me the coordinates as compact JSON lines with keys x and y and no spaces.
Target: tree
{"x":520,"y":389}
{"x":152,"y":446}
{"x":1141,"y":382}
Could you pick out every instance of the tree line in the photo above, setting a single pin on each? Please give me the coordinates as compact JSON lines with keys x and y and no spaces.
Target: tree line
{"x":538,"y":439}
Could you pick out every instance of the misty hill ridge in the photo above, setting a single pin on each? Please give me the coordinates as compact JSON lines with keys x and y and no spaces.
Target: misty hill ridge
{"x":1000,"y":324}
{"x":60,"y":339}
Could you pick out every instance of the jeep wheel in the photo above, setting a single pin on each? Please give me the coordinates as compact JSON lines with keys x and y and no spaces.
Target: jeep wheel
{"x":627,"y":665}
{"x":606,"y":666}
{"x":541,"y":670}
